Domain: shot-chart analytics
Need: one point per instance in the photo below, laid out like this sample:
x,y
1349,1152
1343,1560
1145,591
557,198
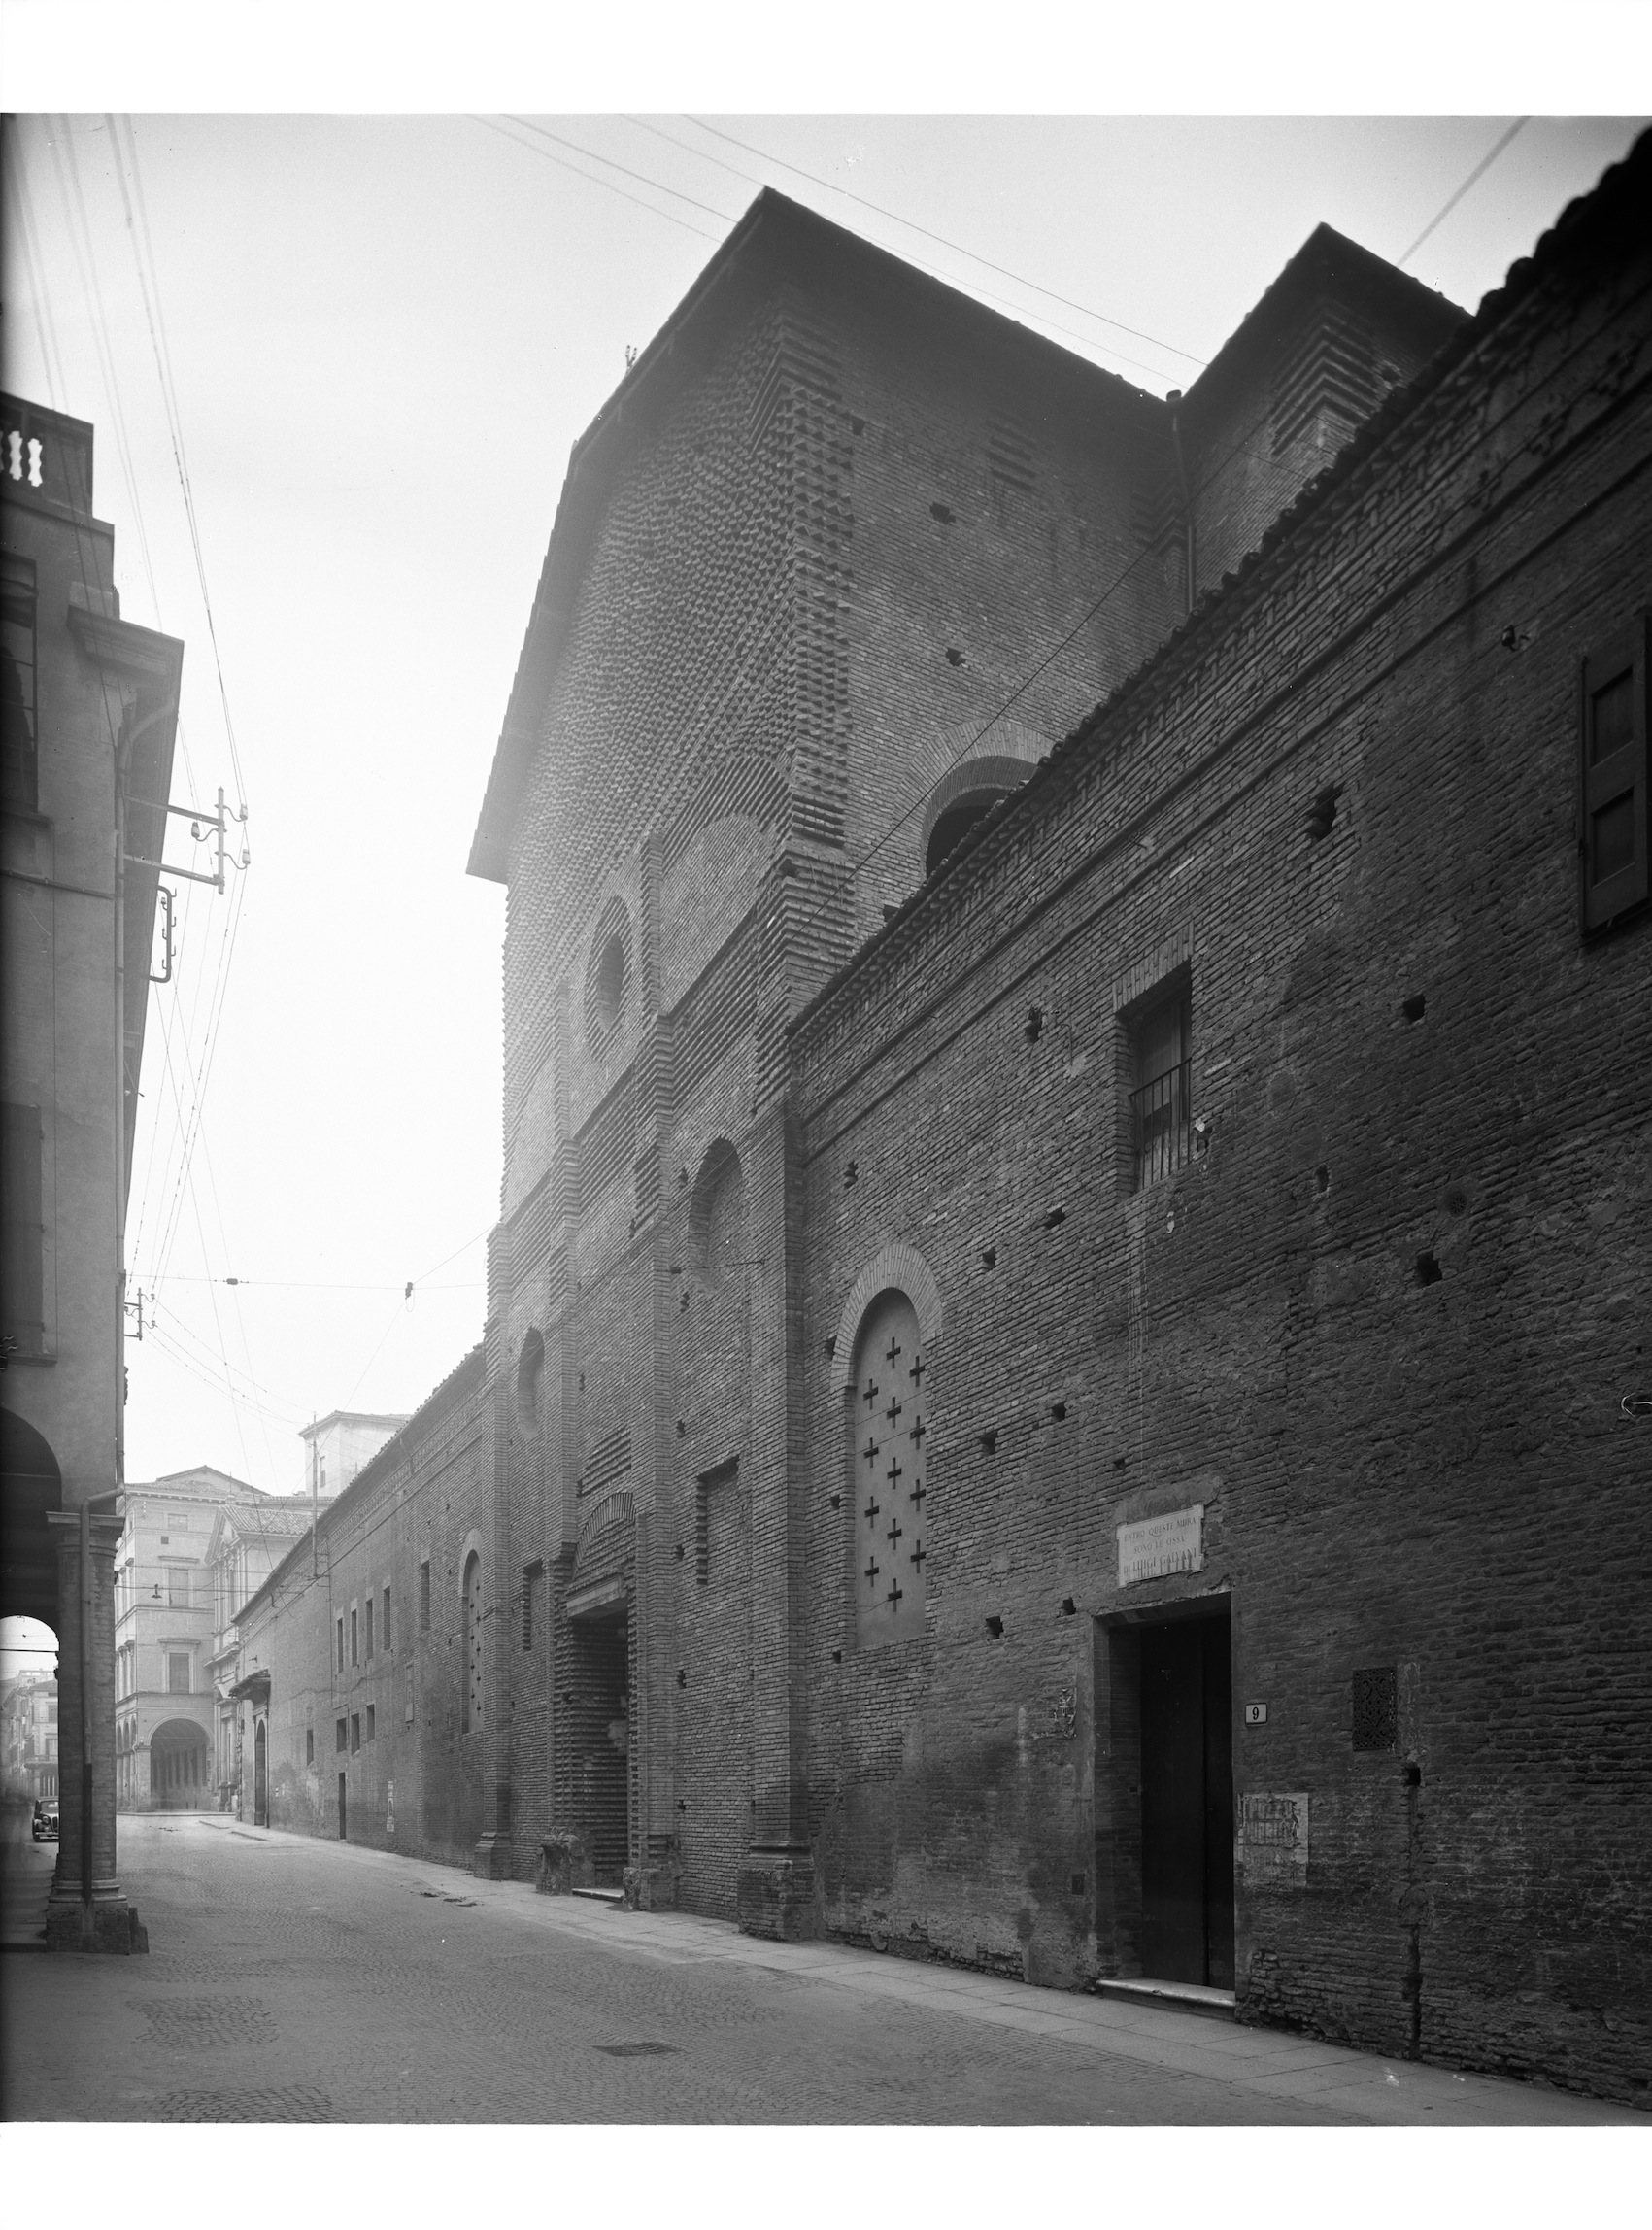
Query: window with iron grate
x,y
1161,1123
472,1718
889,1472
1376,1707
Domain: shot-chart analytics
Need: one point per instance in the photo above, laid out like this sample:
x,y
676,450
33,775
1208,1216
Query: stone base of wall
x,y
651,1888
491,1860
566,1865
776,1896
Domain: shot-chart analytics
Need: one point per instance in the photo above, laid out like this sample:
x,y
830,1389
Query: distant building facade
x,y
89,706
165,1630
248,1540
29,1735
1062,1386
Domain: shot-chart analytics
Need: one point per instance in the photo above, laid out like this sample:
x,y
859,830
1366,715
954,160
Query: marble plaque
x,y
1155,1546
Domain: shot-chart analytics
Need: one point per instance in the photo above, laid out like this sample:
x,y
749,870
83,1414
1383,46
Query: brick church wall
x,y
1378,1330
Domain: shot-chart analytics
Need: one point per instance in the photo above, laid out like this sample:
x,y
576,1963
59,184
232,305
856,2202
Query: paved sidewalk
x,y
292,1979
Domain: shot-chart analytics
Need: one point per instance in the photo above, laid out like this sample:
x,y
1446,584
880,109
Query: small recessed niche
x,y
1118,1462
1455,1199
832,1346
1078,1882
679,1552
1412,1007
1056,1216
1034,1024
954,658
682,1429
581,1381
683,1303
1429,1272
1059,1410
989,1257
1411,1775
1070,1608
837,1502
943,512
837,1657
1321,1179
996,1627
1322,813
856,425
989,1443
682,1177
851,1175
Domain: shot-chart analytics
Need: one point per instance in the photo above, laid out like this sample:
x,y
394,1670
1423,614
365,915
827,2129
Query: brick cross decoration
x,y
871,1393
893,1411
870,1451
893,1351
895,1472
893,1533
917,1432
916,1494
895,1596
918,1554
872,1568
872,1510
915,1373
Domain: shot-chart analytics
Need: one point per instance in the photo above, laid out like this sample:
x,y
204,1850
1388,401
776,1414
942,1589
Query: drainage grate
x,y
637,2052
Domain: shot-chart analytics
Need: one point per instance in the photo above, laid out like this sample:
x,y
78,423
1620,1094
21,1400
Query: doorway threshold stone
x,y
1181,1997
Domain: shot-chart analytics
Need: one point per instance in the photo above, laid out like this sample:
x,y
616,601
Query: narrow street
x,y
296,1980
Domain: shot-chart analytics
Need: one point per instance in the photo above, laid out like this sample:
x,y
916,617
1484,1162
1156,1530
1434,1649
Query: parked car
x,y
45,1819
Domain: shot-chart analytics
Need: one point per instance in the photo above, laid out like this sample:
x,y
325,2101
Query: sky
x,y
379,336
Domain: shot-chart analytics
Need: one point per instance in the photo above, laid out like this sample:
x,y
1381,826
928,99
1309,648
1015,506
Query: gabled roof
x,y
777,238
1327,262
202,1481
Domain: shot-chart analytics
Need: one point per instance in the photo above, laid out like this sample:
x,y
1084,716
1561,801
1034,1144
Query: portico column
x,y
88,1907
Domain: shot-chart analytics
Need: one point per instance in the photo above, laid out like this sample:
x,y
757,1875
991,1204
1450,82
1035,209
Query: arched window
x,y
965,793
890,1397
608,975
530,1385
717,1219
472,1642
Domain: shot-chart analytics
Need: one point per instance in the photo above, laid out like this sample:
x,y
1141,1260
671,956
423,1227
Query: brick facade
x,y
1344,1365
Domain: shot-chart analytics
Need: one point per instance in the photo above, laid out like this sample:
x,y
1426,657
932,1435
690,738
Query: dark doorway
x,y
261,1784
1187,1802
600,1730
341,1807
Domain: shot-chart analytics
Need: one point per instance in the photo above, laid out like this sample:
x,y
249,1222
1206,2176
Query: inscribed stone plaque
x,y
1155,1546
1273,1839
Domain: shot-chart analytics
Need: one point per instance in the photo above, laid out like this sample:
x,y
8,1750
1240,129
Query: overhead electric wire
x,y
148,285
955,247
1478,172
527,148
52,357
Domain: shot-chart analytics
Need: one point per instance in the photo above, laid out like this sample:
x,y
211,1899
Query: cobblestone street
x,y
292,1979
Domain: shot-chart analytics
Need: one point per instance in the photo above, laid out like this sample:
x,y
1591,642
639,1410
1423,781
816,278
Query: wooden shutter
x,y
1611,774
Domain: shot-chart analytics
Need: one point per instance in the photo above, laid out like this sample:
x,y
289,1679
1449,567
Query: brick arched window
x,y
472,1642
890,1424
